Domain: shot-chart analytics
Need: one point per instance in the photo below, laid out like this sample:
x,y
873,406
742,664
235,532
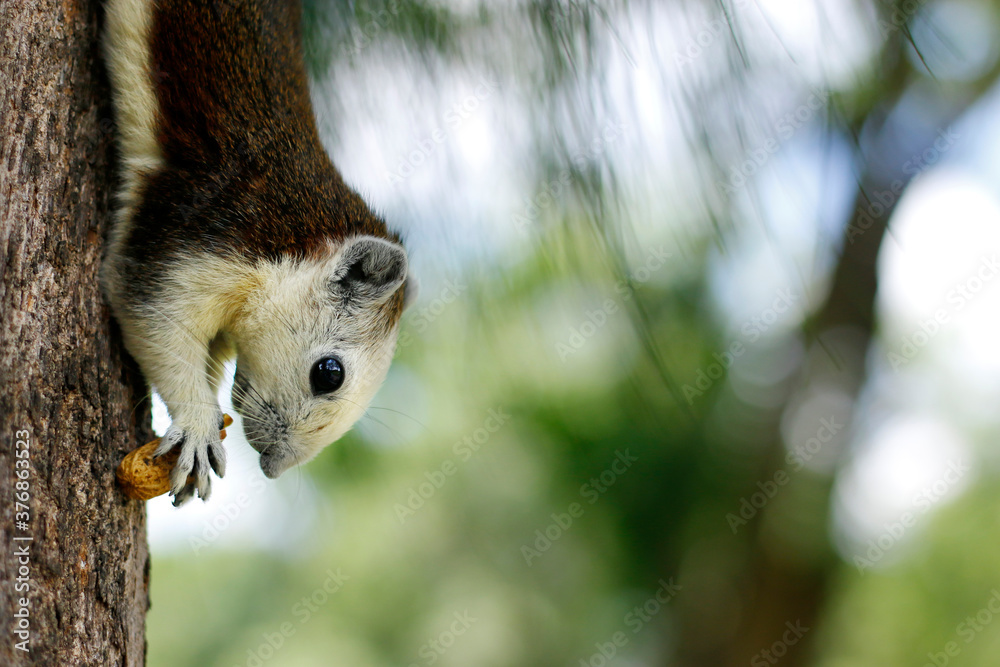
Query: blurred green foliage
x,y
489,523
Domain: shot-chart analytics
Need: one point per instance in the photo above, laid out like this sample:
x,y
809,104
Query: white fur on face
x,y
281,318
291,321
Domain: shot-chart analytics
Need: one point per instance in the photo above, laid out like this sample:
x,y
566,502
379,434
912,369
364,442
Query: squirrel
x,y
234,236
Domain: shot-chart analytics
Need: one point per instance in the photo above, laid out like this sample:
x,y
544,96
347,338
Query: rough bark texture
x,y
66,386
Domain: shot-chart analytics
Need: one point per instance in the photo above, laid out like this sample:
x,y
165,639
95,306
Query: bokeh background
x,y
705,366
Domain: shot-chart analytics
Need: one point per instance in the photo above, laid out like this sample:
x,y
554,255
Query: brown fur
x,y
245,172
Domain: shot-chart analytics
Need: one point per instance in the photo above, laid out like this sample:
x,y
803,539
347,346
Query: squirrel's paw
x,y
200,451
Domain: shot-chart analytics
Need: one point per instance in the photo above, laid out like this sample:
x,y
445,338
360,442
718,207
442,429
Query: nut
x,y
143,476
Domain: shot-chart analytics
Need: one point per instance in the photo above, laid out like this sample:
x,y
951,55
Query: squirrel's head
x,y
314,343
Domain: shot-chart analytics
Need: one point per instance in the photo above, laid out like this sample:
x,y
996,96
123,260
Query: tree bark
x,y
69,397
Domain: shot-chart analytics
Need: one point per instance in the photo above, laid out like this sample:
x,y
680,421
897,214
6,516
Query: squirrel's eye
x,y
327,375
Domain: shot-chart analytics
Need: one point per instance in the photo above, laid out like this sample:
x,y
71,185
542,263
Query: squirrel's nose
x,y
275,460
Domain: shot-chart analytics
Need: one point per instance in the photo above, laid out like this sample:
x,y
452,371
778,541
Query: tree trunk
x,y
71,401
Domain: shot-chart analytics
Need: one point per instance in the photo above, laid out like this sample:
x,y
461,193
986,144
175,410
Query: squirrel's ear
x,y
410,290
370,269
